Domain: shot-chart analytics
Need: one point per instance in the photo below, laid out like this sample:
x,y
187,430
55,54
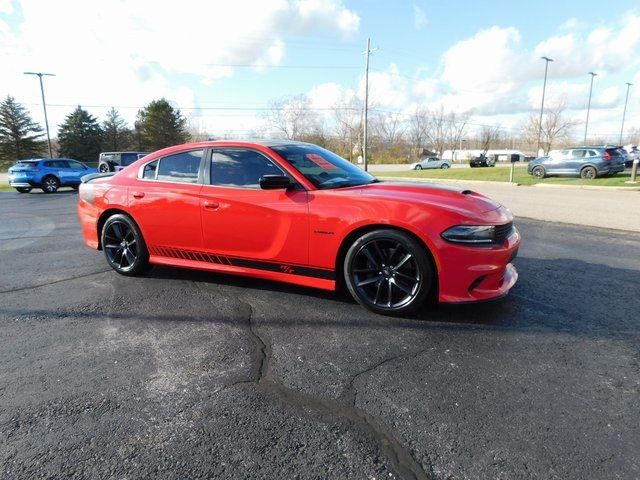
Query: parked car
x,y
632,154
482,161
295,212
584,162
431,162
112,161
49,174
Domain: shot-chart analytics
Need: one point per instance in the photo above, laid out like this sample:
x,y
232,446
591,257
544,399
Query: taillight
x,y
607,156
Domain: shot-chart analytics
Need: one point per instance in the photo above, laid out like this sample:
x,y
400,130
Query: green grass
x,y
501,174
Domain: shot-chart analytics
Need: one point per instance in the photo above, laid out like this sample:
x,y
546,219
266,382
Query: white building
x,y
502,155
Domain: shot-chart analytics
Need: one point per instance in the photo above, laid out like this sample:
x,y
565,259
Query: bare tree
x,y
455,126
419,130
437,135
388,127
488,136
293,117
556,127
347,124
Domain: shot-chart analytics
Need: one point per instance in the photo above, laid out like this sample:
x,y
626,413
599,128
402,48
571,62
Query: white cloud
x,y
419,17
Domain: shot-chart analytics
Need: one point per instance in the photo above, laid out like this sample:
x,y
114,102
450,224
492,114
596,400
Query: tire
x,y
123,246
388,272
444,166
75,187
418,167
538,171
104,168
588,173
50,184
23,189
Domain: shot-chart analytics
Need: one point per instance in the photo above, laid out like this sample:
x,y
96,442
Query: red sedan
x,y
295,212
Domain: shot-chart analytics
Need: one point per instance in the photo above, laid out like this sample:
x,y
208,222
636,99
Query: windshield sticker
x,y
320,162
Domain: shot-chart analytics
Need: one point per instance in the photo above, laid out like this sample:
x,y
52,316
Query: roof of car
x,y
265,142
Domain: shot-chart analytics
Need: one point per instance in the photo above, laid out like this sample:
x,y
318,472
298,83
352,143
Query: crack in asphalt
x,y
398,455
77,277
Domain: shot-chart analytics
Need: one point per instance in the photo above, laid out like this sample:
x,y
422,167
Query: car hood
x,y
452,198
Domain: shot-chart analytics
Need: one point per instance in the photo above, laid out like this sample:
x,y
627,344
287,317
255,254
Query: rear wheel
x,y
588,173
388,272
50,184
538,171
23,189
418,167
124,246
444,166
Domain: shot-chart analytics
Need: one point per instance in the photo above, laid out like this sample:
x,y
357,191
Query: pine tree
x,y
160,125
20,136
115,134
80,136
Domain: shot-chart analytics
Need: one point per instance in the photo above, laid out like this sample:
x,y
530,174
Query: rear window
x,y
614,152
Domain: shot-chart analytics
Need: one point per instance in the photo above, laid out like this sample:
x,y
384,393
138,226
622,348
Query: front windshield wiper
x,y
346,184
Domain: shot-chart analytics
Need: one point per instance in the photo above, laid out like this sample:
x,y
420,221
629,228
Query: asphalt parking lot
x,y
183,374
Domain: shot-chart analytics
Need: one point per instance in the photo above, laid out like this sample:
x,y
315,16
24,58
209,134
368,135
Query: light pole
x,y
586,125
367,52
544,86
44,105
624,112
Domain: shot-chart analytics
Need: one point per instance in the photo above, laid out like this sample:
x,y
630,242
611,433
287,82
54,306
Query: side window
x,y
75,165
240,168
593,153
577,153
149,170
180,167
48,164
60,164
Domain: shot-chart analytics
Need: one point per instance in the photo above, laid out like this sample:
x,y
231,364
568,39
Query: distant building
x,y
502,155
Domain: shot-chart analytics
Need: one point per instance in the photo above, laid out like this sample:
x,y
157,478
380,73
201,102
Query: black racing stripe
x,y
246,263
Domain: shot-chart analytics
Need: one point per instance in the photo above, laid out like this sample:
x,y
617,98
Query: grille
x,y
503,232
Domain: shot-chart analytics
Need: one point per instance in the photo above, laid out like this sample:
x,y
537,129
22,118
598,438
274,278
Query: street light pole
x,y
544,87
44,105
624,113
586,125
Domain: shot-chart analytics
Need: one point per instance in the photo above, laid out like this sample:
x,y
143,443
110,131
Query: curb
x,y
537,185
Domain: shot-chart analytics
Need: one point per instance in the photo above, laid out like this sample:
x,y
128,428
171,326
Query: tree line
x,y
82,137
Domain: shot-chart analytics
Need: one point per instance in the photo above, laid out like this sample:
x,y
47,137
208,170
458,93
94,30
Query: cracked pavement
x,y
185,374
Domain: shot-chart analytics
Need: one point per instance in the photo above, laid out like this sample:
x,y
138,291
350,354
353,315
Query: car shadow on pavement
x,y
559,294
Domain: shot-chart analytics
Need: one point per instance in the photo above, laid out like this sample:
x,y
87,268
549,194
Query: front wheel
x,y
124,246
23,189
388,272
588,173
50,184
418,167
538,171
444,166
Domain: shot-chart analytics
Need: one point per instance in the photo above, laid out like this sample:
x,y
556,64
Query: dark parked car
x,y
482,161
49,174
112,161
584,162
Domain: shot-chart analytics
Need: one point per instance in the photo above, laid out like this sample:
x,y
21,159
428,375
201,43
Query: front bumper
x,y
475,274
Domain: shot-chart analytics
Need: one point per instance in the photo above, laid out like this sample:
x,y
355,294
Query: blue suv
x,y
583,162
49,174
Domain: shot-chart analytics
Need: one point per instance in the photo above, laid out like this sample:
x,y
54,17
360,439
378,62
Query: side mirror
x,y
274,182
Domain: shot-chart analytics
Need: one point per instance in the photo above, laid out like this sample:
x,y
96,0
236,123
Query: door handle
x,y
138,194
209,205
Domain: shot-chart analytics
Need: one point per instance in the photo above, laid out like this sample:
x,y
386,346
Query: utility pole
x,y
624,113
544,86
586,125
367,52
44,105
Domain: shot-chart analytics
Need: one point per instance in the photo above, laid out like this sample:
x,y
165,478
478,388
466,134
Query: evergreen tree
x,y
80,136
20,137
115,134
160,125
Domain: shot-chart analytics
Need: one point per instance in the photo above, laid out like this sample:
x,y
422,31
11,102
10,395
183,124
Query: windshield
x,y
323,168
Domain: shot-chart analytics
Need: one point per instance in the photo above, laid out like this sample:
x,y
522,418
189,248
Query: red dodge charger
x,y
295,212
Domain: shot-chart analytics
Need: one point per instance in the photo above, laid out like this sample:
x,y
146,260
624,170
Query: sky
x,y
223,62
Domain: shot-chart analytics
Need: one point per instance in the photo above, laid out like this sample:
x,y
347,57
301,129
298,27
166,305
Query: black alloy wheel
x,y
23,189
50,184
588,173
538,171
388,272
124,246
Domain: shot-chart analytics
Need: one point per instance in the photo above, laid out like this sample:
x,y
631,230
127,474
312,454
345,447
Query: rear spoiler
x,y
92,176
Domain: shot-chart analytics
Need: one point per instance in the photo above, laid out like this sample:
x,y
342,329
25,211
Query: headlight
x,y
478,234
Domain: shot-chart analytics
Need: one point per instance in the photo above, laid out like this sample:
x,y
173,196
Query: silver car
x,y
430,162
